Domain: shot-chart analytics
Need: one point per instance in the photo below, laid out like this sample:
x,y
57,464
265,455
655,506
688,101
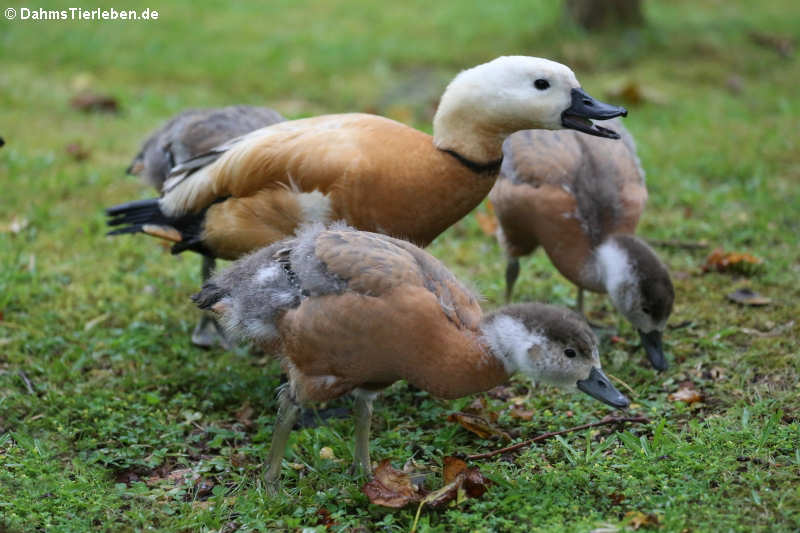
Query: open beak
x,y
598,386
654,349
583,108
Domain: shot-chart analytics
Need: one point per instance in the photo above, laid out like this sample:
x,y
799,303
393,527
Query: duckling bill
x,y
352,312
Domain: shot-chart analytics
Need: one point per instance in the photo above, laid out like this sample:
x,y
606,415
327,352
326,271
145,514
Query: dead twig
x,y
28,384
686,245
604,422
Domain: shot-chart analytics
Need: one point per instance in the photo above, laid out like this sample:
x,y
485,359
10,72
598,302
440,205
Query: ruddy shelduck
x,y
374,173
348,311
580,198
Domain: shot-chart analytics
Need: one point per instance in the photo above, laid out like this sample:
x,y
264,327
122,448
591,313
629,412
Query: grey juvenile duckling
x,y
580,198
352,312
186,135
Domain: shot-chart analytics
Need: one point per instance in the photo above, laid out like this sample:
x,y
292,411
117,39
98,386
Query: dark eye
x,y
569,352
541,84
646,310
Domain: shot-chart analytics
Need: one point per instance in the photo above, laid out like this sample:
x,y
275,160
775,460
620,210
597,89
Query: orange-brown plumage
x,y
415,200
371,172
349,311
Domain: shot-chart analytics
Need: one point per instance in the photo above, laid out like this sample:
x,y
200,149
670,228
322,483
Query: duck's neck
x,y
611,267
466,129
509,341
476,142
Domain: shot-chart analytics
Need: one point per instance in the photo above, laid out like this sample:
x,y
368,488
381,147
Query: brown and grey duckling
x,y
352,312
580,198
185,136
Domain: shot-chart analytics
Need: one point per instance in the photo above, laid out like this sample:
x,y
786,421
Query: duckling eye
x,y
646,310
569,352
541,84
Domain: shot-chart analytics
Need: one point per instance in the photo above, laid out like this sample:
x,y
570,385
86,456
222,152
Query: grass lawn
x,y
119,408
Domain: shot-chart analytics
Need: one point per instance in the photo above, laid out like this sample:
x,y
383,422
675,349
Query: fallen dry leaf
x,y
616,498
478,425
203,486
735,84
391,487
324,518
687,395
734,262
634,93
784,46
747,296
176,477
638,519
453,466
91,102
395,488
460,481
475,484
244,415
524,414
77,151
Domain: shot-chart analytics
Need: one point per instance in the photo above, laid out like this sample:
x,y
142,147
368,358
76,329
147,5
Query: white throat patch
x,y
615,269
509,340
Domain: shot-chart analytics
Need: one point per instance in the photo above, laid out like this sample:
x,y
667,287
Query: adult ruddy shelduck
x,y
185,136
374,173
580,199
348,311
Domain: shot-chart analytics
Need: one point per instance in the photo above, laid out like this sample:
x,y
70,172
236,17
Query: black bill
x,y
654,349
598,386
583,108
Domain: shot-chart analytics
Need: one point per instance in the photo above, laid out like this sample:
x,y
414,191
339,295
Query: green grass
x,y
100,326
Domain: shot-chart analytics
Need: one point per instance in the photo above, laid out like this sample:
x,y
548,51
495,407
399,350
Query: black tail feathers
x,y
132,217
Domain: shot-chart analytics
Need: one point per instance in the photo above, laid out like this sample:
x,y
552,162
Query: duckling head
x,y
640,287
513,93
550,344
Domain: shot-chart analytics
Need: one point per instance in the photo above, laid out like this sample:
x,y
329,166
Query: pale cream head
x,y
497,98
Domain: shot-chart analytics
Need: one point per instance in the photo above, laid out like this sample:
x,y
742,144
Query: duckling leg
x,y
362,413
512,271
208,332
288,412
